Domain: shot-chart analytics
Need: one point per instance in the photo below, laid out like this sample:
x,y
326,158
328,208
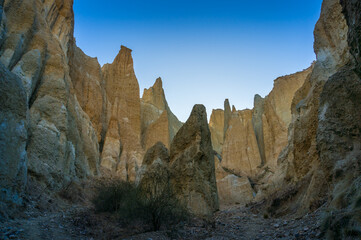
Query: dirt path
x,y
232,223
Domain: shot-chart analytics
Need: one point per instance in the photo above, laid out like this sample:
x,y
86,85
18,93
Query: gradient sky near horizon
x,y
204,51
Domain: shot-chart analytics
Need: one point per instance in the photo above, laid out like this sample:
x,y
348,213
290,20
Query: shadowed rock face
x,y
339,133
154,172
192,164
13,136
321,139
351,10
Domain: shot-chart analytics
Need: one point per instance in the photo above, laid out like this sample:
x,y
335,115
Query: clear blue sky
x,y
205,51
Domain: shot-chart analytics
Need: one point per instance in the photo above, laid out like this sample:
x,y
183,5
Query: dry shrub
x,y
132,203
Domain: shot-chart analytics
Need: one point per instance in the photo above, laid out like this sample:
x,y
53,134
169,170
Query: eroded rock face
x,y
86,75
62,144
216,126
13,136
240,150
338,134
122,151
252,140
232,189
306,158
351,10
192,165
277,116
154,173
330,38
158,123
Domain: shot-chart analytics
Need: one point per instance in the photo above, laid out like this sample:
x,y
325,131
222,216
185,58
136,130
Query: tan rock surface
x,y
122,89
216,126
277,116
62,145
192,165
122,150
301,158
258,111
86,75
232,189
240,150
227,116
157,120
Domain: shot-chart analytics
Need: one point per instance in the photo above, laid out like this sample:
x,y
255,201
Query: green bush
x,y
133,203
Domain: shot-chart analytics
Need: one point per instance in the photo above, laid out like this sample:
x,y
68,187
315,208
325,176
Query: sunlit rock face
x,y
232,189
192,165
158,123
216,126
61,143
240,150
254,139
89,87
277,116
122,151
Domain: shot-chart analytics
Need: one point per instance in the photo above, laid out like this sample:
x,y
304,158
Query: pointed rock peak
x,y
192,171
158,83
155,95
234,109
257,98
158,150
199,113
125,49
124,57
227,106
258,103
